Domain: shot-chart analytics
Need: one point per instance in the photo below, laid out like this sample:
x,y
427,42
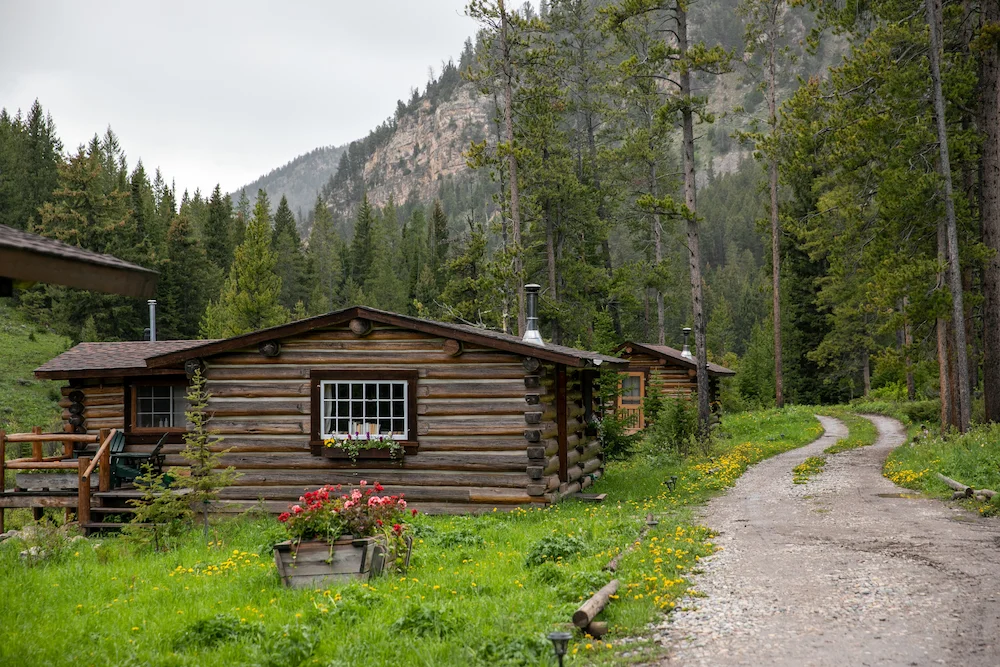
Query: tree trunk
x,y
944,370
911,388
661,331
866,372
772,113
989,83
616,317
954,275
515,198
694,251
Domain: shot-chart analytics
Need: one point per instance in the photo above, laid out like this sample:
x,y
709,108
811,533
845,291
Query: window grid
x,y
160,406
364,407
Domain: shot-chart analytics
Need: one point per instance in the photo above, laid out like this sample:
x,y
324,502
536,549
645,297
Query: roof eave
x,y
381,317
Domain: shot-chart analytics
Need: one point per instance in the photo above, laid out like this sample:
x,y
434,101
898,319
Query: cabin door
x,y
630,401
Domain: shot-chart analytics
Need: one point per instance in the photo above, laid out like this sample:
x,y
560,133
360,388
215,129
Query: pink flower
x,y
402,504
355,495
364,483
297,509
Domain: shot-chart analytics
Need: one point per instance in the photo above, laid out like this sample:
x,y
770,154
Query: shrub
x,y
675,426
553,548
424,620
289,647
515,651
215,630
463,537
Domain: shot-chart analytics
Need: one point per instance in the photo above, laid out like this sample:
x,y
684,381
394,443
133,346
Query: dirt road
x,y
841,571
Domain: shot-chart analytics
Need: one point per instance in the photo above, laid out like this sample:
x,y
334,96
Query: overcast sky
x,y
222,91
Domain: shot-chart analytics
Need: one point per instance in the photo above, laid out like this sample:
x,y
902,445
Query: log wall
x,y
471,419
100,405
487,422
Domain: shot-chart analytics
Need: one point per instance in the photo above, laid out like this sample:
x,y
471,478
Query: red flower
x,y
284,516
297,509
378,487
396,528
413,512
378,522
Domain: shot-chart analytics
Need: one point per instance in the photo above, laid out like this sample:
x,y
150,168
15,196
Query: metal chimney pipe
x,y
686,352
531,333
152,320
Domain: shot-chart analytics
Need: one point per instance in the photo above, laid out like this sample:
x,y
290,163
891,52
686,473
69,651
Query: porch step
x,y
111,526
112,510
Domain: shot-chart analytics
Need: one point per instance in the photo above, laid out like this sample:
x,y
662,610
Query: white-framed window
x,y
364,408
160,406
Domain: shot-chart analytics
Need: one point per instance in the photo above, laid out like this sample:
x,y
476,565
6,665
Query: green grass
x,y
972,459
25,401
469,598
811,466
861,432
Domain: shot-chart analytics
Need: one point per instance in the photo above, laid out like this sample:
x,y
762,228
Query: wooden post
x,y
104,475
360,326
67,444
452,347
561,421
36,447
3,472
83,495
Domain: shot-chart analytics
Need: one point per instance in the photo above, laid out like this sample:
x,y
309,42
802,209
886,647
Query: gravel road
x,y
848,569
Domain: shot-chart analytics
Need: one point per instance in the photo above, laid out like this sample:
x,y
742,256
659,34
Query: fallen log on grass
x,y
613,563
966,491
597,629
583,616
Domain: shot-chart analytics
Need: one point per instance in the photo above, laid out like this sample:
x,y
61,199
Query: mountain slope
x,y
300,180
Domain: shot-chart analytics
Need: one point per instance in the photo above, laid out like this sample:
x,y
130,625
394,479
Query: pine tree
x,y
249,298
287,246
207,477
362,252
187,280
326,268
218,232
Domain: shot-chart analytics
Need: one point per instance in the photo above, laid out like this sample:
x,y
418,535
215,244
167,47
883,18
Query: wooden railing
x,y
84,465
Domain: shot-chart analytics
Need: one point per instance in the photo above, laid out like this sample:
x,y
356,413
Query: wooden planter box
x,y
311,564
373,453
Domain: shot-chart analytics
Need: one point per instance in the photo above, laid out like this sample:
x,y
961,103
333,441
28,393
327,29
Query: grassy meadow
x,y
482,590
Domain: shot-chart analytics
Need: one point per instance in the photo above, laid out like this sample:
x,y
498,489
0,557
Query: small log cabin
x,y
485,419
677,373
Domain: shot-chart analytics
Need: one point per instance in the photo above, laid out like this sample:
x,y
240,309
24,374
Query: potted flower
x,y
336,535
373,446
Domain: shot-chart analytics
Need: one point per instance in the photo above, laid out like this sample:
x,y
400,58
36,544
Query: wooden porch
x,y
72,489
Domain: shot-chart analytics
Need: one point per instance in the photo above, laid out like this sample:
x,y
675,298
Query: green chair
x,y
126,466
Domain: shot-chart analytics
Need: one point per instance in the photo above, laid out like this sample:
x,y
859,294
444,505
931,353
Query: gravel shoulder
x,y
848,569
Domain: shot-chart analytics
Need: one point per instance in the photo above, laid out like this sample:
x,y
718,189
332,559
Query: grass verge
x,y
470,596
973,459
811,466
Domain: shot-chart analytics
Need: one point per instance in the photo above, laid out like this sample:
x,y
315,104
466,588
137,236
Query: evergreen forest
x,y
828,227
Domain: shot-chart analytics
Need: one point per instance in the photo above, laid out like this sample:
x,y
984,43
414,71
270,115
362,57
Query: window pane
x,y
397,389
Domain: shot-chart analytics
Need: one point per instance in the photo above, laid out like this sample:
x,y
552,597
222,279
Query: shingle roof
x,y
463,332
36,258
675,355
127,358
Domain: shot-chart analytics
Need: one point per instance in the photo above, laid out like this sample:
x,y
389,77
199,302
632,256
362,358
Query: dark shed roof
x,y
463,332
33,258
672,355
109,359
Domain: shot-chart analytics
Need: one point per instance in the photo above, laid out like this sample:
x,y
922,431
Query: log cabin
x,y
676,369
485,419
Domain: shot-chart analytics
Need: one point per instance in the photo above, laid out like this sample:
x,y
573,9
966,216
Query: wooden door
x,y
633,389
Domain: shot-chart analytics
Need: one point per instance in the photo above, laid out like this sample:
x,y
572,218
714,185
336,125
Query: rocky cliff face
x,y
426,147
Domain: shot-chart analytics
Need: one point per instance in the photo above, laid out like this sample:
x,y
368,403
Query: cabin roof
x,y
150,358
33,258
462,332
115,359
672,355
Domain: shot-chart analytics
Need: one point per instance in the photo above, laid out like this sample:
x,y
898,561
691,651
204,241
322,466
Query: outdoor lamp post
x,y
559,642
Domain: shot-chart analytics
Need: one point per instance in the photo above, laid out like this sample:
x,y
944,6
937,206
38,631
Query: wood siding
x,y
487,431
